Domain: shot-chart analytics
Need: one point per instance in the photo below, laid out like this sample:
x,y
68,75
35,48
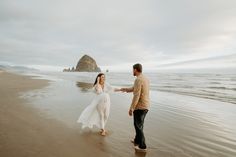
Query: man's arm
x,y
137,92
128,90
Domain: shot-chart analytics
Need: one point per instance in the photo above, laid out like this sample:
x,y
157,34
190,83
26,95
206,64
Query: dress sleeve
x,y
97,89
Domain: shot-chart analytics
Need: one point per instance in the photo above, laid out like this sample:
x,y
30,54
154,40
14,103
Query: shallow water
x,y
220,87
176,125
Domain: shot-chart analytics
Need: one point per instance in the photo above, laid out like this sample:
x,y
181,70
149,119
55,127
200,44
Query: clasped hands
x,y
123,89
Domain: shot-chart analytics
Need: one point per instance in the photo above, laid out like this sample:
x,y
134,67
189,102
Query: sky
x,y
159,34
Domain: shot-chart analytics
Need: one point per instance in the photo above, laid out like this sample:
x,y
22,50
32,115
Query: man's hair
x,y
138,67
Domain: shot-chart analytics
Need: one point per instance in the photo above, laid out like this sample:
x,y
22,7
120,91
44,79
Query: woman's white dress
x,y
97,113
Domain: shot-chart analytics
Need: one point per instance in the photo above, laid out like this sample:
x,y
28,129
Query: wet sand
x,y
27,131
24,132
38,118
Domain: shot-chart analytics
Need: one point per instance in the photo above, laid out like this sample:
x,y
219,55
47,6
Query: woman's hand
x,y
117,90
98,80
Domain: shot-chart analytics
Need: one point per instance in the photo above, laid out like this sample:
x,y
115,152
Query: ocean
x,y
221,87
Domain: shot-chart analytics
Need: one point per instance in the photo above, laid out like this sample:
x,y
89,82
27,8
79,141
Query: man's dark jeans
x,y
139,116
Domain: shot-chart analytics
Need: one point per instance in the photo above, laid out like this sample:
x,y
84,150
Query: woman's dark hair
x,y
99,75
138,67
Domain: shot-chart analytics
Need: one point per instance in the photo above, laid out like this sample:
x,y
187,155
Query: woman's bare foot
x,y
103,133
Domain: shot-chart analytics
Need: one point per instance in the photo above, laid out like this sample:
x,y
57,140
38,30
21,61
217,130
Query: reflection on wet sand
x,y
85,87
140,154
176,126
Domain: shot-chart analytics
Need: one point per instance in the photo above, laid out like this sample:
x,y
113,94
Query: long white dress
x,y
97,113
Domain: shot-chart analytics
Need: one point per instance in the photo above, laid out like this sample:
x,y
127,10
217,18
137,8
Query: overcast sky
x,y
160,34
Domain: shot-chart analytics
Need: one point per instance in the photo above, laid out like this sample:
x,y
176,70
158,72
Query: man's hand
x,y
131,112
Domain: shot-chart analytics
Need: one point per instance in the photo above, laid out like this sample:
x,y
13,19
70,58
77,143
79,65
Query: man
x,y
139,106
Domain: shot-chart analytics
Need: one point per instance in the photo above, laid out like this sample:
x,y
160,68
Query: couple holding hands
x,y
97,113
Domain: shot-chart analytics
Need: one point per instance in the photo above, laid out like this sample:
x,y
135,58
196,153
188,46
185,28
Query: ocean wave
x,y
224,88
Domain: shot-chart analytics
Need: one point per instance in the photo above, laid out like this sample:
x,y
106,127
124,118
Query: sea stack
x,y
87,64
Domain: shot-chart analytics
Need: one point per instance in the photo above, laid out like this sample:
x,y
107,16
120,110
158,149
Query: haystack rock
x,y
87,64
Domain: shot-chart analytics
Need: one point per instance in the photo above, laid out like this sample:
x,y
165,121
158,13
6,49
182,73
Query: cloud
x,y
226,62
116,33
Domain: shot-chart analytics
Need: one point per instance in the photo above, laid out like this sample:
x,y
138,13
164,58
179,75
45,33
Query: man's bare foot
x,y
137,149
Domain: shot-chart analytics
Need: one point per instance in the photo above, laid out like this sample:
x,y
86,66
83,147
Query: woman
x,y
96,114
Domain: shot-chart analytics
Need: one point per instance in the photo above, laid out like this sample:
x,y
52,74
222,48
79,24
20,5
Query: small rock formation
x,y
87,64
66,70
